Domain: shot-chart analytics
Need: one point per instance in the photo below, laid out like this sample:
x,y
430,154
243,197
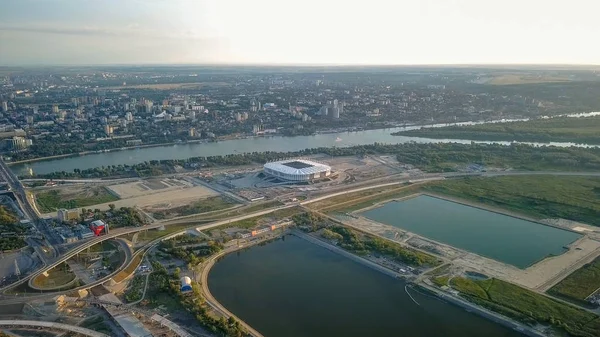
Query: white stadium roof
x,y
297,167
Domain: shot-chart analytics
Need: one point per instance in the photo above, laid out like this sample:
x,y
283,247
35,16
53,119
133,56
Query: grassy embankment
x,y
580,284
356,200
50,201
123,274
255,221
57,277
525,305
202,206
563,129
567,197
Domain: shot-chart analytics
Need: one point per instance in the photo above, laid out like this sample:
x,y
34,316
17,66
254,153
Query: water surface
x,y
500,237
294,288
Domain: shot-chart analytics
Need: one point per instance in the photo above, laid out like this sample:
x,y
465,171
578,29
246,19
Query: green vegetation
x,y
96,323
57,276
103,246
431,157
191,249
568,197
440,281
453,157
135,290
202,206
560,129
12,232
580,284
528,306
350,198
194,303
53,200
116,218
363,244
254,221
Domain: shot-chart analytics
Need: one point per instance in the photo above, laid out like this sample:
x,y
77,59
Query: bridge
x,y
51,325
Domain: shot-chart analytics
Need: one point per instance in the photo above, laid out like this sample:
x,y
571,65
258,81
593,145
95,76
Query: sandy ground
x,y
542,275
145,187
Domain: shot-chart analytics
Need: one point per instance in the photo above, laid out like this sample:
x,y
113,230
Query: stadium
x,y
297,170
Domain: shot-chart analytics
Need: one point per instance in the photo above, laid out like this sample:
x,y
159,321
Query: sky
x,y
404,32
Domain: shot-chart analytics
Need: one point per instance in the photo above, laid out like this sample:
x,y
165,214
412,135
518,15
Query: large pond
x,y
503,238
294,288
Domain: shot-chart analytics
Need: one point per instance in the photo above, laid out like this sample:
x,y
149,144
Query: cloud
x,y
131,30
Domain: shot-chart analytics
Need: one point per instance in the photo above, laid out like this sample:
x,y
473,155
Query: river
x,y
251,144
294,288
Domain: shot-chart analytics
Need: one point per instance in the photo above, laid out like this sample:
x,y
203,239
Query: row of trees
x,y
363,245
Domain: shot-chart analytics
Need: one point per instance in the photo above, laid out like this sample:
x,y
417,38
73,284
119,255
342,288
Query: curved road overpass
x,y
52,325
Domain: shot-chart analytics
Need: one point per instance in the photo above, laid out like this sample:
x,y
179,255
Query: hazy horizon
x,y
310,33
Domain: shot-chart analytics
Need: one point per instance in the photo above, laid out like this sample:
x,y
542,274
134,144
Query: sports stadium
x,y
297,170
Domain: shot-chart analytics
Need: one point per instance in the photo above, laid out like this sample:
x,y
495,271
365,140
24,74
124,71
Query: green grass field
x,y
202,206
580,284
567,197
527,306
564,129
53,200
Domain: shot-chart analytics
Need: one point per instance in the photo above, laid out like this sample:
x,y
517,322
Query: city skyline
x,y
378,32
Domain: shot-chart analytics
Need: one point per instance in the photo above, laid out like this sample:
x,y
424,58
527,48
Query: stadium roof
x,y
297,166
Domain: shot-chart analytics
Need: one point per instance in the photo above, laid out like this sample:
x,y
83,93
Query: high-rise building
x,y
192,132
129,116
29,119
16,143
245,116
238,116
192,114
55,109
149,105
65,215
4,106
108,130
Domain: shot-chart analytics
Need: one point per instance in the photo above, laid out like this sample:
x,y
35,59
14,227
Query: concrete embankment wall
x,y
344,253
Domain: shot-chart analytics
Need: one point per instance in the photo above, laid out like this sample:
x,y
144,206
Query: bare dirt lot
x,y
146,187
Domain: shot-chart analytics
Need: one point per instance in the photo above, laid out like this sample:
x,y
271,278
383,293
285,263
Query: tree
x,y
111,206
177,272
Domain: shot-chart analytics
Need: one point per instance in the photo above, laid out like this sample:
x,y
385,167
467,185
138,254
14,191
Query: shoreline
x,y
412,125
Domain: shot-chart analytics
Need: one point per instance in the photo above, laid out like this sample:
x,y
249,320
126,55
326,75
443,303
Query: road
x,y
52,325
29,213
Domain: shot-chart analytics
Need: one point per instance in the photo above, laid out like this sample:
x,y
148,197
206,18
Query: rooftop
x,y
297,164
